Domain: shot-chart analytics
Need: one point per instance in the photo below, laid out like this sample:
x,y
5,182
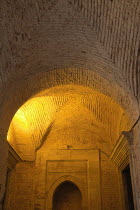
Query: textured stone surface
x,y
135,163
20,189
90,170
110,185
57,42
67,115
46,44
116,24
3,168
67,196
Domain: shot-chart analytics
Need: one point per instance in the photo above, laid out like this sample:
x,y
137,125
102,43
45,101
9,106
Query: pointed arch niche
x,y
67,196
66,193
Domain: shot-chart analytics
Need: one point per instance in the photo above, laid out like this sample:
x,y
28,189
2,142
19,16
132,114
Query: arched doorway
x,y
67,196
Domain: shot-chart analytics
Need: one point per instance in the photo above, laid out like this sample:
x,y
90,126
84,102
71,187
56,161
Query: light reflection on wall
x,y
41,118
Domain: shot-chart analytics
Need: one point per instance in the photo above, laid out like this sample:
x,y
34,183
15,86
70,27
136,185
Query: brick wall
x,y
20,189
28,187
116,24
59,114
3,168
109,185
43,39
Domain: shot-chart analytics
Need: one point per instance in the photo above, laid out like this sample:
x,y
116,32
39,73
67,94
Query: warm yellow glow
x,y
64,115
19,121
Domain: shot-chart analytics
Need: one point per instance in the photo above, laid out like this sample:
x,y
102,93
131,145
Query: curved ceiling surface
x,y
71,115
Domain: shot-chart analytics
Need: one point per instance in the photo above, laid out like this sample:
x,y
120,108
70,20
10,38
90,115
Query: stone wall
x,y
102,36
109,185
32,187
3,168
20,187
134,144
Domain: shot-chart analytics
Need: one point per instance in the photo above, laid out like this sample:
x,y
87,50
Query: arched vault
x,y
64,115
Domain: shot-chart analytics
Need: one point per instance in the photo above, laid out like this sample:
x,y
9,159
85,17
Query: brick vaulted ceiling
x,y
75,42
67,115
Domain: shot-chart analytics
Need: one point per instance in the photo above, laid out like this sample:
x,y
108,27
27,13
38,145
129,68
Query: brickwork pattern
x,y
109,185
71,42
116,24
73,38
20,192
61,113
